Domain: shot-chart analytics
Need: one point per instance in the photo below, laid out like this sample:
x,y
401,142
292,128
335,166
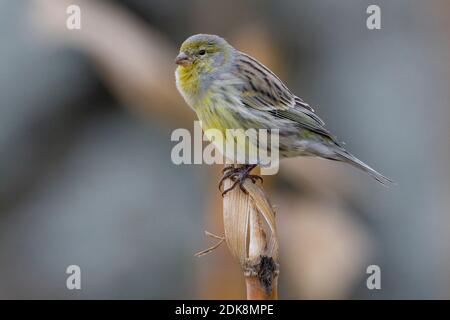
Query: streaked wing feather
x,y
263,90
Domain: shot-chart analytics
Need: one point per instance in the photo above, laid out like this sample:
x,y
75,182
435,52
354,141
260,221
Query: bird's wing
x,y
263,90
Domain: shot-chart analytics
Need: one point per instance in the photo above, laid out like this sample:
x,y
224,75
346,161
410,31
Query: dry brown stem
x,y
250,233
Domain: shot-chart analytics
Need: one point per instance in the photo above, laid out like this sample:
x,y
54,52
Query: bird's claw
x,y
238,176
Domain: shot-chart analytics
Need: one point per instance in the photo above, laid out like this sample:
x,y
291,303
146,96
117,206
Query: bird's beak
x,y
182,60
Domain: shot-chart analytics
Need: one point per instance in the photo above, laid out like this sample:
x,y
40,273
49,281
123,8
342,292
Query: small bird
x,y
229,89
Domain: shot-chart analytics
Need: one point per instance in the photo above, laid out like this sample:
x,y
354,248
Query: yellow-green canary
x,y
228,89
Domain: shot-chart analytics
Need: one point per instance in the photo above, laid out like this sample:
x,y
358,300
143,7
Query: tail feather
x,y
347,157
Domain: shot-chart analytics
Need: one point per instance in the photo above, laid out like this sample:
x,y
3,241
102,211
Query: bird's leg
x,y
238,175
228,168
228,172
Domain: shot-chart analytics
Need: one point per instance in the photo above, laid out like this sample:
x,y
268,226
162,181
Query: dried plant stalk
x,y
250,233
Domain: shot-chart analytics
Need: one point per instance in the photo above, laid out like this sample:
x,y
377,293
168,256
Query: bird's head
x,y
203,53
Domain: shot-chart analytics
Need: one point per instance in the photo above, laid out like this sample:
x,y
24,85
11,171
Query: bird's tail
x,y
349,158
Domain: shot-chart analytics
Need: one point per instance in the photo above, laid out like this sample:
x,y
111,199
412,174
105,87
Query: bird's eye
x,y
202,52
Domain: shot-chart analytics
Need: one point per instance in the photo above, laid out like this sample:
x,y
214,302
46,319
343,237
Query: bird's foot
x,y
238,176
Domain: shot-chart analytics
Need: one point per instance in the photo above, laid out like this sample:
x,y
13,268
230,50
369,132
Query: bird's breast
x,y
188,83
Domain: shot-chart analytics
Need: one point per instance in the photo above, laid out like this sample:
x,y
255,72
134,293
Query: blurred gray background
x,y
85,170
